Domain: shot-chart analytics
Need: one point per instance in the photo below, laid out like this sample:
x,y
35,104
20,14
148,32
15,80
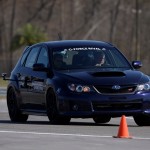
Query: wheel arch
x,y
16,90
9,88
47,92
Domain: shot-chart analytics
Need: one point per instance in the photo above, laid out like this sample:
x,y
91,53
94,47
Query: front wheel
x,y
14,112
142,120
52,111
101,119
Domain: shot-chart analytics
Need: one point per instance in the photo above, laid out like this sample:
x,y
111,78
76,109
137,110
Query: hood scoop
x,y
108,74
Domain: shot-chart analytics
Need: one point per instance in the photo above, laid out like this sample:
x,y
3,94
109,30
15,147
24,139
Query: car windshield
x,y
69,58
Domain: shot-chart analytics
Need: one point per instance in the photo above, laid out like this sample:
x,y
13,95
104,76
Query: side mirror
x,y
137,64
40,67
4,76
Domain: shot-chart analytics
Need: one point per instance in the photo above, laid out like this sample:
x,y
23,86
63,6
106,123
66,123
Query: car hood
x,y
126,77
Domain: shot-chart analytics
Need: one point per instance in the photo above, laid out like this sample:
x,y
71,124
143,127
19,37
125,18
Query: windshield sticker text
x,y
84,48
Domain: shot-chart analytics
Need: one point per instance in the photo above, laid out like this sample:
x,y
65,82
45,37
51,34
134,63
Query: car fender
x,y
13,83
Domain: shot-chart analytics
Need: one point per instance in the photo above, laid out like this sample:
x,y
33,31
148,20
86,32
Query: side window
x,y
43,57
32,57
24,56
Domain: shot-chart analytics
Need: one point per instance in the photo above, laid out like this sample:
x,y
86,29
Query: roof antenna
x,y
60,36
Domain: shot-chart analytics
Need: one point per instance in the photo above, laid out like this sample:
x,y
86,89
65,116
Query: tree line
x,y
124,23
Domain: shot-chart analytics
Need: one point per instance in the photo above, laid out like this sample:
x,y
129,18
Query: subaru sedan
x,y
77,79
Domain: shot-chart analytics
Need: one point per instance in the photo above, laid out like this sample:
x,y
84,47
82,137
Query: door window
x,y
32,57
23,59
43,57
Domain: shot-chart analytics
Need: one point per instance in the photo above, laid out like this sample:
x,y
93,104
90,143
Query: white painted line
x,y
64,134
141,138
55,134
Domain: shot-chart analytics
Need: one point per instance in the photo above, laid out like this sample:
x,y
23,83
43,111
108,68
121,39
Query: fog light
x,y
75,107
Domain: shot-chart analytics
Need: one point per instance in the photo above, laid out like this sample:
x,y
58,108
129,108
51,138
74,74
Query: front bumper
x,y
94,104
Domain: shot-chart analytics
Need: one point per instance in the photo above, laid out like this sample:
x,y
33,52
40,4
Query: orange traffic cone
x,y
123,129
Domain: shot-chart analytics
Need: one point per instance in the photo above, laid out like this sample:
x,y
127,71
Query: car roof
x,y
64,43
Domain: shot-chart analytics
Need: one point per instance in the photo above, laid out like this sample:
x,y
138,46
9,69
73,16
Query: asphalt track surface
x,y
80,134
2,91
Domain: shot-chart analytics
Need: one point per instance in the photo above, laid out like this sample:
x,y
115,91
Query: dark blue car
x,y
77,79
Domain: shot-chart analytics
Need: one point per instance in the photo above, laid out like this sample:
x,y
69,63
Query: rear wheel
x,y
101,119
142,120
14,112
52,111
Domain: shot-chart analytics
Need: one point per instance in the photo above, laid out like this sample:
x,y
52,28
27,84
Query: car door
x,y
25,74
38,82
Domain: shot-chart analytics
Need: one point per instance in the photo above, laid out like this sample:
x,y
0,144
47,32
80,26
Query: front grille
x,y
110,90
116,106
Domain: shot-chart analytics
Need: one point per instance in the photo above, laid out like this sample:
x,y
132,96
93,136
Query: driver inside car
x,y
58,61
100,59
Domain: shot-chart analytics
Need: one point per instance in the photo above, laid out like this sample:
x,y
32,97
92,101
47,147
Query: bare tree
x,y
12,20
3,36
108,20
113,19
42,5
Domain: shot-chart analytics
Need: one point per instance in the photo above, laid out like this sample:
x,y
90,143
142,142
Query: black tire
x,y
52,111
142,120
101,119
14,112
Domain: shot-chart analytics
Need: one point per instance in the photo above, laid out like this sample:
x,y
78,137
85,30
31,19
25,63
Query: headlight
x,y
79,88
143,87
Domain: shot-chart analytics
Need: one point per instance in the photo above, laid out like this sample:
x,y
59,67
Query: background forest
x,y
125,23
